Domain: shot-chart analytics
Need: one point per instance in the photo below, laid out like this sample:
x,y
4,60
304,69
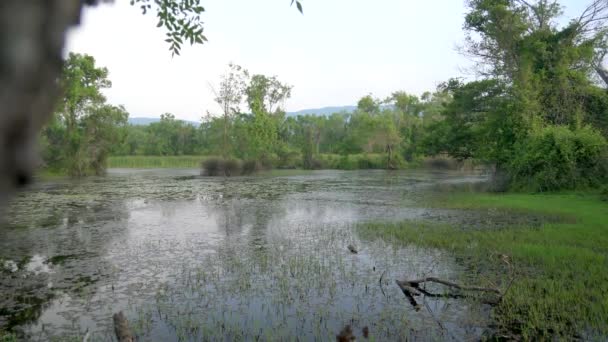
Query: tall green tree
x,y
89,126
229,97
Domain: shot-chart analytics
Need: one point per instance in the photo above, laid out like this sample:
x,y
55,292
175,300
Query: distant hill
x,y
147,121
316,111
323,111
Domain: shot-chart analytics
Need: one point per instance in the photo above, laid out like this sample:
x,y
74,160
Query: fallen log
x,y
416,284
121,328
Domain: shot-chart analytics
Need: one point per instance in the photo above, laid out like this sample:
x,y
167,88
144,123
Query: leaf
x,y
299,5
160,23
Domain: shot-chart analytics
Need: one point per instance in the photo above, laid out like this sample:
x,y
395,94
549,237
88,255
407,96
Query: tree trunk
x,y
33,37
603,74
389,159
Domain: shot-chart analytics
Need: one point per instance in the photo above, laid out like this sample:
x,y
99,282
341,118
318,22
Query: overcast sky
x,y
338,51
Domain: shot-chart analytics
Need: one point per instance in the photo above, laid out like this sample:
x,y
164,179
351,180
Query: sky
x,y
337,52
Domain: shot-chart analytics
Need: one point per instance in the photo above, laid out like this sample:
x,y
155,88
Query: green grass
x,y
48,174
151,162
7,337
561,282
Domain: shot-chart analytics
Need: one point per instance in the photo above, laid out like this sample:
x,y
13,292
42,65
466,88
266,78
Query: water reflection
x,y
245,258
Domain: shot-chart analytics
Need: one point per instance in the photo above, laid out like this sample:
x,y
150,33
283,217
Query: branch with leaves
x,y
181,20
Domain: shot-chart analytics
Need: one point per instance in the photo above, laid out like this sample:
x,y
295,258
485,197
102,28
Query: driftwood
x,y
416,284
352,249
121,328
411,289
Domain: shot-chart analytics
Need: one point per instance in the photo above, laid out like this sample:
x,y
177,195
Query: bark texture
x,y
32,39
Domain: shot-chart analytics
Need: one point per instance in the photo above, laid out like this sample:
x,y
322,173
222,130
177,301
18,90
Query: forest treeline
x,y
537,113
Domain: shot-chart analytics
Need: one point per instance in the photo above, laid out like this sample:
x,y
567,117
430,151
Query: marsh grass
x,y
148,162
561,279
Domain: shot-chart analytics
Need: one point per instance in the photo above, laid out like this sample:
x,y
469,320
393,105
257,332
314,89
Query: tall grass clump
x,y
147,162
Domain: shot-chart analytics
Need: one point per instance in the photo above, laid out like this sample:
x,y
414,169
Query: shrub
x,y
371,161
604,193
211,166
269,161
232,167
326,161
558,158
251,166
367,161
346,163
289,159
221,167
441,163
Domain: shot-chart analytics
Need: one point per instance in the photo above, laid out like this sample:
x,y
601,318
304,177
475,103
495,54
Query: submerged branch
x,y
416,284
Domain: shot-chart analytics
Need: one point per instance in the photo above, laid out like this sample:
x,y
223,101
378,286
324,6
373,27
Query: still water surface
x,y
252,258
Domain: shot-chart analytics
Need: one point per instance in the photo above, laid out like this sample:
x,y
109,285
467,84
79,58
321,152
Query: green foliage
x,y
84,129
368,104
382,140
604,193
181,20
265,94
8,337
536,74
357,161
482,121
153,162
555,158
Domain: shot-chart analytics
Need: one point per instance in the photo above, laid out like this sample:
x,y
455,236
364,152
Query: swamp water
x,y
247,258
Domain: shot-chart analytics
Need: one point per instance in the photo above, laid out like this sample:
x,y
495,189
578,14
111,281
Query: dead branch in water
x,y
380,281
411,289
416,284
121,328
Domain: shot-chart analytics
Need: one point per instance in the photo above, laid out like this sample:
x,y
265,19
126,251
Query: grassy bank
x,y
321,161
561,280
151,162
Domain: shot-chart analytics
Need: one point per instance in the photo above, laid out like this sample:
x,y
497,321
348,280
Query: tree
x,y
230,96
548,66
102,128
82,83
266,94
404,102
79,140
368,104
